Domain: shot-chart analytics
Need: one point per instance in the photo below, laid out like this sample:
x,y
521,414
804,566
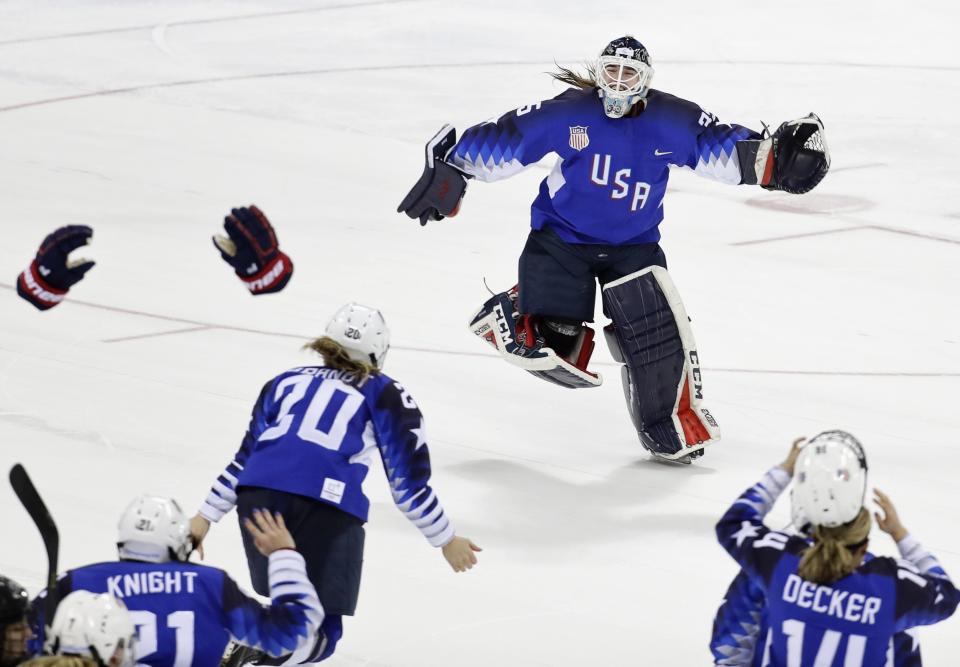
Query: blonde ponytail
x,y
831,558
576,79
336,356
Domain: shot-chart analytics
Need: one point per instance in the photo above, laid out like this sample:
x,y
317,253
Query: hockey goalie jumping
x,y
596,219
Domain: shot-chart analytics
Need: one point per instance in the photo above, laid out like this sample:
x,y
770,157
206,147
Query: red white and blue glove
x,y
52,273
251,248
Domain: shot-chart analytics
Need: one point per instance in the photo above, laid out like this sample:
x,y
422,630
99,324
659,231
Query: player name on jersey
x,y
853,607
155,581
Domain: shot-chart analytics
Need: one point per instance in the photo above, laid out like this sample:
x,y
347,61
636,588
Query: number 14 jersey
x,y
849,623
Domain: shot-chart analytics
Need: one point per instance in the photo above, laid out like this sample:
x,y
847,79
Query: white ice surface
x,y
317,111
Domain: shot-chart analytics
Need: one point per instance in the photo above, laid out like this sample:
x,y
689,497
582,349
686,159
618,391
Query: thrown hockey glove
x,y
251,248
794,159
52,273
441,186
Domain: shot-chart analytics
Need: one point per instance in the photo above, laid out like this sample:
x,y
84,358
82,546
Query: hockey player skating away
x,y
187,613
597,218
14,629
312,435
740,626
826,605
97,629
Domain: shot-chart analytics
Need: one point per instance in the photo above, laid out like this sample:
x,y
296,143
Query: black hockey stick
x,y
27,493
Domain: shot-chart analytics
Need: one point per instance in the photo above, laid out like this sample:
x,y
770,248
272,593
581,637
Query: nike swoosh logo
x,y
658,152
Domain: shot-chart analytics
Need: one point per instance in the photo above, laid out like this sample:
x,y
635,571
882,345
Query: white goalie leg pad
x,y
496,323
647,343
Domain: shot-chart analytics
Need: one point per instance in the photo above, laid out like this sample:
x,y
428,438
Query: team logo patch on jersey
x,y
579,139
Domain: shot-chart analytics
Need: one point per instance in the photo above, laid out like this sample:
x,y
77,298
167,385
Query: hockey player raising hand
x,y
740,628
827,603
188,613
597,217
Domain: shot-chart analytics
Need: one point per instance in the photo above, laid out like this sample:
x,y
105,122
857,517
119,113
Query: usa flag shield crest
x,y
579,139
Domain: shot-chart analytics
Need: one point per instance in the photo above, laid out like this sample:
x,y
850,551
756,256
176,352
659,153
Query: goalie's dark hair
x,y
336,356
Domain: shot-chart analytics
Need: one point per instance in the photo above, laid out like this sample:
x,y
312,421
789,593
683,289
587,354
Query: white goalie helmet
x,y
830,479
362,332
623,73
154,529
93,625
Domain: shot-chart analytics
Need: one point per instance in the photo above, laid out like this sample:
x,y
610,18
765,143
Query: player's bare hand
x,y
889,521
199,525
269,532
459,552
791,461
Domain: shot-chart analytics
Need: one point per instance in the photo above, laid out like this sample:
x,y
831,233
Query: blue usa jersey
x,y
850,623
739,623
608,183
186,613
740,628
313,432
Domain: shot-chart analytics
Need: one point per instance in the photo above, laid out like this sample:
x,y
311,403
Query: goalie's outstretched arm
x,y
488,151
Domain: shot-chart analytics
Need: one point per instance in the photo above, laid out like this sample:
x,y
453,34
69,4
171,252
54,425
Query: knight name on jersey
x,y
156,581
853,607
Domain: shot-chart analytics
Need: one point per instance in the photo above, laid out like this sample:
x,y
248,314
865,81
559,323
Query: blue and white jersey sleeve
x,y
739,624
906,649
925,594
742,533
495,150
707,146
290,623
223,494
401,439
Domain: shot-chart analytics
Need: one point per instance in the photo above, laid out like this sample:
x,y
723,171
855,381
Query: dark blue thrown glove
x,y
52,273
251,248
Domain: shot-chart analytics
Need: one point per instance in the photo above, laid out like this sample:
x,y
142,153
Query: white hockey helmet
x,y
362,332
830,479
623,73
798,518
93,625
154,529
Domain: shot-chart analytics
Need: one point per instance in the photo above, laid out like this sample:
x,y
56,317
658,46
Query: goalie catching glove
x,y
52,273
441,187
794,159
251,248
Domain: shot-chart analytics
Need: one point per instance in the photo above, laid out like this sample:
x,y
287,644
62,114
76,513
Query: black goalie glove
x,y
252,249
441,187
794,159
800,156
52,273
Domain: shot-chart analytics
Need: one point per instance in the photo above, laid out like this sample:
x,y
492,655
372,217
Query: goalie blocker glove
x,y
52,273
794,159
251,248
441,186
